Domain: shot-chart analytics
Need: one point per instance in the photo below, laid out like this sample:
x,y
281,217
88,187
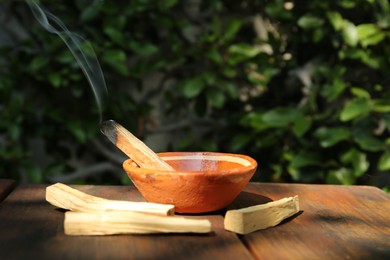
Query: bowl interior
x,y
207,162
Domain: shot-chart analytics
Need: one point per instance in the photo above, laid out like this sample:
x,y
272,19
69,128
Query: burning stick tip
x,y
108,128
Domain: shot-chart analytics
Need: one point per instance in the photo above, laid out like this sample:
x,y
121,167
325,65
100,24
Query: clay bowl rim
x,y
241,169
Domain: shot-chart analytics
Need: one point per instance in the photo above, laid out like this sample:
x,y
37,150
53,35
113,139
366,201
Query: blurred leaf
x,y
364,55
65,57
359,92
281,117
113,56
38,63
229,72
143,48
230,89
358,160
381,105
89,13
77,131
350,33
335,89
14,131
301,125
367,141
305,159
116,59
348,4
309,21
215,56
356,107
215,97
298,162
115,35
192,87
166,4
254,120
384,161
245,50
232,29
341,176
208,145
386,120
331,136
239,141
369,34
275,9
55,79
35,174
336,20
241,52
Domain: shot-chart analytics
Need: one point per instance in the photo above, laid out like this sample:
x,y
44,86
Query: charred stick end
x,y
134,148
108,128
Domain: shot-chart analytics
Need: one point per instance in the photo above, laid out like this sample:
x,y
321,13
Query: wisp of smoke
x,y
80,48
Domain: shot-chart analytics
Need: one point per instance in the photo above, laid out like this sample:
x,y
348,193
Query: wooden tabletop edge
x,y
6,187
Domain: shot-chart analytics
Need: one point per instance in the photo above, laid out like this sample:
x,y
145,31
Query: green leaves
x,y
367,141
38,63
143,48
280,117
283,118
358,160
192,87
310,21
116,59
341,176
215,97
300,161
336,20
231,29
355,108
242,52
369,34
302,90
366,34
166,4
350,33
384,161
330,136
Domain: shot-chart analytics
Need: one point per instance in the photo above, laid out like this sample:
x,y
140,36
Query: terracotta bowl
x,y
201,182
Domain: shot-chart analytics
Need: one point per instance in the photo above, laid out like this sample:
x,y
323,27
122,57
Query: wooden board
x,y
336,222
6,186
33,229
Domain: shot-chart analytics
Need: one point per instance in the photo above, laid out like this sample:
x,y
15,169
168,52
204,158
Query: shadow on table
x,y
248,199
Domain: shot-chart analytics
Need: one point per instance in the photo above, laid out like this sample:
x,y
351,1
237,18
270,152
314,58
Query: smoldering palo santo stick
x,y
138,151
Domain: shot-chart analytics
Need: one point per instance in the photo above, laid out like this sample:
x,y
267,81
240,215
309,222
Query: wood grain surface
x,y
336,222
33,229
6,186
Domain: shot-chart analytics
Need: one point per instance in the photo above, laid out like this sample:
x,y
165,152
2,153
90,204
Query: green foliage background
x,y
301,86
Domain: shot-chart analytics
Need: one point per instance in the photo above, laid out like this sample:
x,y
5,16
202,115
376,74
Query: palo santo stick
x,y
246,220
138,151
63,196
110,223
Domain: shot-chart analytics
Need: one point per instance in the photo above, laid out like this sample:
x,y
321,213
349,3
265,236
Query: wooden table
x,y
336,222
6,186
